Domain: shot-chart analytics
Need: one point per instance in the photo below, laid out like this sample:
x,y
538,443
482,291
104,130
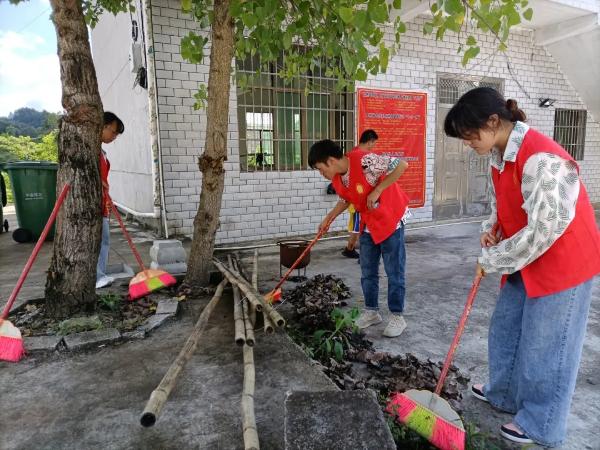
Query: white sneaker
x,y
395,326
104,281
367,318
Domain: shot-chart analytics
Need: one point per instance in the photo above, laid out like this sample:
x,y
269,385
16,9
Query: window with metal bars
x,y
278,121
569,130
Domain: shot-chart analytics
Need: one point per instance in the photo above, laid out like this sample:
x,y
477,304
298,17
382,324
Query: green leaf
x,y
338,350
287,40
528,14
361,75
472,52
401,27
328,346
397,4
439,35
427,28
250,20
471,41
346,14
380,13
384,57
186,5
319,334
434,8
453,7
502,47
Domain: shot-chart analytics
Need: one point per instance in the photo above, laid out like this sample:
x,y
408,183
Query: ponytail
x,y
473,110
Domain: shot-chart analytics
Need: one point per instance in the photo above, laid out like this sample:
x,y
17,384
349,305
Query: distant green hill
x,y
28,122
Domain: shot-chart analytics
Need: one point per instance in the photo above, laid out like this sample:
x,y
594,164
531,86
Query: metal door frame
x,y
477,81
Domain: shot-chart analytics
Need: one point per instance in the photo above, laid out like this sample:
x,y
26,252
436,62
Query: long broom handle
x,y
461,325
129,241
36,250
321,232
458,334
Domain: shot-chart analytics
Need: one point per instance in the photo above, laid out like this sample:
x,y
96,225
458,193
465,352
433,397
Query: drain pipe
x,y
157,167
345,236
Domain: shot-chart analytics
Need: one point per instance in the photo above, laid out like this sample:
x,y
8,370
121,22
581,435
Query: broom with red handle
x,y
11,342
147,280
275,294
426,412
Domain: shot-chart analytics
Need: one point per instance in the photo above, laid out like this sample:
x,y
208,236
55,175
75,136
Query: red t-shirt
x,y
104,169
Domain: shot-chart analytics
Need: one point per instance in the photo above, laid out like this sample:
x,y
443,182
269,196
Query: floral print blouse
x,y
550,187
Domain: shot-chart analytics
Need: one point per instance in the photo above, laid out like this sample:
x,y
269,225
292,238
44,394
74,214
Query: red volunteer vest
x,y
104,169
574,257
383,220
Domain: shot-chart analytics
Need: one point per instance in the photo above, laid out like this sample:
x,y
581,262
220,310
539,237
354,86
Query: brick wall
x,y
273,204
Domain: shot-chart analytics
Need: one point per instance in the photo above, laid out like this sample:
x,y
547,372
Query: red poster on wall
x,y
400,120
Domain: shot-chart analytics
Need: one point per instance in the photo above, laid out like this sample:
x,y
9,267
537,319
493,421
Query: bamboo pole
x,y
247,323
161,394
251,293
248,418
236,280
268,323
238,318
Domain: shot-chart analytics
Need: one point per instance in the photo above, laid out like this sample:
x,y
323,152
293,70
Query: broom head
x,y
148,281
273,296
429,415
11,342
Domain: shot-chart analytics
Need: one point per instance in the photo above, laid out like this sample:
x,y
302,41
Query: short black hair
x,y
110,117
321,151
368,136
473,110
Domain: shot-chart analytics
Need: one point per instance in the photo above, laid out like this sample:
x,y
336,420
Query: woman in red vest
x,y
547,250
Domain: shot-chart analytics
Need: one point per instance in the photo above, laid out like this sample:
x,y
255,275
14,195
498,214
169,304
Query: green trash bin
x,y
34,192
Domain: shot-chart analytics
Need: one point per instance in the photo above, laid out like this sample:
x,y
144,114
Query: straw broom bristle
x,y
11,342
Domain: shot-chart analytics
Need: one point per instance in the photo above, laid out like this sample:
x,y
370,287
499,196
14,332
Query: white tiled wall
x,y
266,205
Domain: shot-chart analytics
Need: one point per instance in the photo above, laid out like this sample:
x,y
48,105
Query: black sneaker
x,y
515,436
350,253
478,393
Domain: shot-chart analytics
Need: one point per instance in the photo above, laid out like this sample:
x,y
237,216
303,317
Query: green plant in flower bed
x,y
333,342
110,301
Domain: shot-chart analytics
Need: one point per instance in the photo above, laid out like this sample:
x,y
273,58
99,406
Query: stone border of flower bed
x,y
38,345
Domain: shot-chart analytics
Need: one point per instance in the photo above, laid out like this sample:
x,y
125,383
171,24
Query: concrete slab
x,y
94,338
41,344
167,306
154,322
335,420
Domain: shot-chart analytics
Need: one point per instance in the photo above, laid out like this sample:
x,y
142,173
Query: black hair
x,y
112,117
473,110
368,136
321,151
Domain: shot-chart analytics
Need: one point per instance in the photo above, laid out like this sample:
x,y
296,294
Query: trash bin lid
x,y
49,165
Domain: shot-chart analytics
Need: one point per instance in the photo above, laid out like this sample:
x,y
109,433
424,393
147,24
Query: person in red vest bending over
x,y
368,181
548,252
113,127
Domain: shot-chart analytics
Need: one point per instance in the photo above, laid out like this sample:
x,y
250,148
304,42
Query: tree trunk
x,y
215,152
70,285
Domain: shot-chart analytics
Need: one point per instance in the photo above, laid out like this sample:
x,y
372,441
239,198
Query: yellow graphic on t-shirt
x,y
359,188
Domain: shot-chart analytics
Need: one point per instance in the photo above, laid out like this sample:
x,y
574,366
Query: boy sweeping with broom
x,y
368,181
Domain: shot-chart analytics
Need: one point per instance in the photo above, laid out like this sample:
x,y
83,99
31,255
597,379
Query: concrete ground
x,y
93,400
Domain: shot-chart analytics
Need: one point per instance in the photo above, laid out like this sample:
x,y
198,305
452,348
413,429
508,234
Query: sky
x,y
29,70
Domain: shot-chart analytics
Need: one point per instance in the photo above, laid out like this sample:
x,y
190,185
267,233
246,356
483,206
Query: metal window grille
x,y
279,121
452,88
569,130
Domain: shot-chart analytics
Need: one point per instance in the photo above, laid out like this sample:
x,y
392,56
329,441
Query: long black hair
x,y
473,109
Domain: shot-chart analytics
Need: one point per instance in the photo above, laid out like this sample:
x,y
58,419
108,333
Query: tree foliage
x,y
345,38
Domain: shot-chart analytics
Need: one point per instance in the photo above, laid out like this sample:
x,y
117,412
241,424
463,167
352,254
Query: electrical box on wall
x,y
135,57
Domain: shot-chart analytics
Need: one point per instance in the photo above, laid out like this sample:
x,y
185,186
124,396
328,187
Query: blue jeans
x,y
394,260
534,347
104,247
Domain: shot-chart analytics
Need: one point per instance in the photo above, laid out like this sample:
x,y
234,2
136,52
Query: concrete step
x,y
335,420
